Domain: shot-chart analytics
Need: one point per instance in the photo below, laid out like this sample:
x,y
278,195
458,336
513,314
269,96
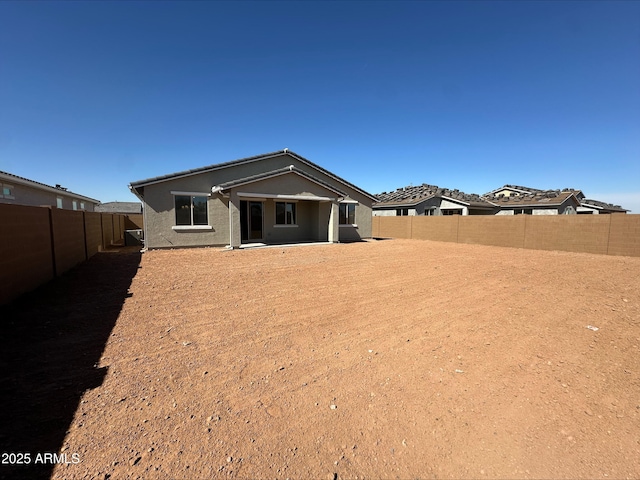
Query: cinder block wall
x,y
133,221
68,235
616,234
117,231
25,250
624,235
394,227
439,229
93,232
571,233
499,231
107,229
38,243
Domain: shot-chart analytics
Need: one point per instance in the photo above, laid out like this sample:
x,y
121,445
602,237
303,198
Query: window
x,y
59,202
347,214
449,211
7,192
285,213
81,205
75,204
191,210
523,211
402,212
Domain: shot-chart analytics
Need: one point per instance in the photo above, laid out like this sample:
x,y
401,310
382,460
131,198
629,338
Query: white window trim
x,y
191,194
348,202
61,202
192,227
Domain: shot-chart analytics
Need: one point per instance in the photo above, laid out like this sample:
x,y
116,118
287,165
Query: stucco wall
x,y
26,195
160,214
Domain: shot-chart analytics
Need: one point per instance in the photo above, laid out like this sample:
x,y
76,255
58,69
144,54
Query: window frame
x,y
59,202
74,204
449,212
294,212
346,206
523,211
192,207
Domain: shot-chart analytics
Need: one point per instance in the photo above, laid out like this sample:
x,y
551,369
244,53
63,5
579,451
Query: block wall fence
x,y
39,243
615,234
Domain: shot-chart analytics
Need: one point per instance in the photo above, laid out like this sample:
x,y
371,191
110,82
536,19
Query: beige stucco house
x,y
515,199
278,197
22,191
429,200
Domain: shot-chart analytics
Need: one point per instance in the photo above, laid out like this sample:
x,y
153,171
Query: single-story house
x,y
430,200
278,197
22,191
515,199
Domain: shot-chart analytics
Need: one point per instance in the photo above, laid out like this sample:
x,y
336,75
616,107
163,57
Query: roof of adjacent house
x,y
120,207
528,196
413,195
517,188
603,205
532,198
43,186
185,173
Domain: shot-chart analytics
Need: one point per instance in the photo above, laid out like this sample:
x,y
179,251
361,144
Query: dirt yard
x,y
384,359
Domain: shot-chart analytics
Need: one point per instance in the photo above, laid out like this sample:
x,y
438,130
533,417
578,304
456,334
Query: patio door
x,y
251,220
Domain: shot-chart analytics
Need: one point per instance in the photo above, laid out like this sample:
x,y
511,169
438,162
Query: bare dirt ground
x,y
384,359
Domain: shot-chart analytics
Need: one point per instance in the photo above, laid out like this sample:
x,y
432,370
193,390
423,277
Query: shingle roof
x,y
57,188
412,195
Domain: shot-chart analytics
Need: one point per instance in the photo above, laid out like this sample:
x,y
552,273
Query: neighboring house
x,y
125,208
515,199
22,191
430,200
278,197
589,206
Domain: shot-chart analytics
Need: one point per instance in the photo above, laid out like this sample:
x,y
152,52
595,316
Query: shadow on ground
x,y
51,341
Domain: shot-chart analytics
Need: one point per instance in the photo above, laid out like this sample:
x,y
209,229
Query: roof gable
x,y
413,195
290,170
210,168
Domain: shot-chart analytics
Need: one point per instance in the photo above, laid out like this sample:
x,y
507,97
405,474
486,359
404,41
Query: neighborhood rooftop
x,y
504,197
415,194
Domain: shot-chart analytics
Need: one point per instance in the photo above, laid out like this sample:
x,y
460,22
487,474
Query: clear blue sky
x,y
467,95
